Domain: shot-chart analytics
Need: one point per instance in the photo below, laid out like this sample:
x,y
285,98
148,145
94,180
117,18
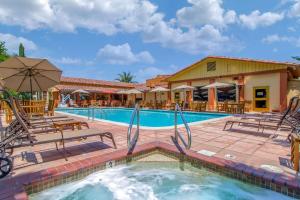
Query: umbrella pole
x,y
30,87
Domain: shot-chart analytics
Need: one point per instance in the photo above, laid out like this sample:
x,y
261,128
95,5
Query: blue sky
x,y
101,38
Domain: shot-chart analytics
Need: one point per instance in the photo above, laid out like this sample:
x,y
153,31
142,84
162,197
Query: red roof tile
x,y
96,82
71,88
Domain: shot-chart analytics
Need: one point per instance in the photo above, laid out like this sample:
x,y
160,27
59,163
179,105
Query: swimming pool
x,y
148,118
157,181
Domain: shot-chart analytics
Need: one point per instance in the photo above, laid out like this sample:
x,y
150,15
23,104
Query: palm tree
x,y
126,77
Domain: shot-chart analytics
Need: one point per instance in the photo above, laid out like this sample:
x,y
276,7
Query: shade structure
x,y
217,85
81,91
133,91
122,92
29,74
183,87
160,89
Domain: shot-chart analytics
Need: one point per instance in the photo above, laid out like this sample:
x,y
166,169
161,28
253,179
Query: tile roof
x,y
71,88
252,60
96,82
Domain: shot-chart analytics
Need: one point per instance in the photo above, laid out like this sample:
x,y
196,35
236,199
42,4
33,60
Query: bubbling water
x,y
146,182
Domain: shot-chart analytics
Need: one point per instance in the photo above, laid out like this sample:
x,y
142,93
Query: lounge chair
x,y
44,125
267,121
275,116
40,118
19,135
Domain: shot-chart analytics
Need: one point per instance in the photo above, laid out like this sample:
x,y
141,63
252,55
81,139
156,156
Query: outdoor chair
x,y
18,134
263,122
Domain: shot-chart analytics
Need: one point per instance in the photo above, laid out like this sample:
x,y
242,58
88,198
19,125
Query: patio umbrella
x,y
184,88
134,91
122,92
80,91
217,85
29,74
159,90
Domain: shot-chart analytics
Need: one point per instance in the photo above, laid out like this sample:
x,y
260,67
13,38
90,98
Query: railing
x,y
187,144
132,141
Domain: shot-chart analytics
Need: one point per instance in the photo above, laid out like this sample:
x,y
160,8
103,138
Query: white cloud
x,y
292,29
197,29
123,55
105,16
276,38
12,42
68,60
205,12
150,72
207,40
257,19
295,9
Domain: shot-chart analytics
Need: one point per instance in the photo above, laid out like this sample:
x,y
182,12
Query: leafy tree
x,y
3,52
126,77
21,50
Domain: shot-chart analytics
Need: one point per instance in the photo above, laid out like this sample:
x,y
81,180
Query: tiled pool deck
x,y
241,149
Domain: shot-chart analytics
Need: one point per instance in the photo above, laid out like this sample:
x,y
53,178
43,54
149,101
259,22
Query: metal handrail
x,y
177,133
132,141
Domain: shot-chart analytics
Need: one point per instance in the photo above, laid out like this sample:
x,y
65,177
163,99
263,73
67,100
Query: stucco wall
x,y
272,80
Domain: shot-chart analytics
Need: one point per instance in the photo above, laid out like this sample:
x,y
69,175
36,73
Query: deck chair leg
x,y
225,126
65,153
231,125
56,146
110,136
113,141
101,137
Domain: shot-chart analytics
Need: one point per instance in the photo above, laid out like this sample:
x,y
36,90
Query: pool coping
x,y
18,187
149,127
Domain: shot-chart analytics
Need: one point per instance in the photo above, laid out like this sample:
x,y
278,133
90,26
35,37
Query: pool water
x,y
157,182
148,118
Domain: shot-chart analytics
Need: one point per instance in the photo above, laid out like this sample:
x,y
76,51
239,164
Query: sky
x,y
101,38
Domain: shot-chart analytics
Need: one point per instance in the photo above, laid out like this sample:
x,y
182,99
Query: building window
x,y
211,66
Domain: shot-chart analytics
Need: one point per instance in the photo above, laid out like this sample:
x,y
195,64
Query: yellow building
x,y
266,85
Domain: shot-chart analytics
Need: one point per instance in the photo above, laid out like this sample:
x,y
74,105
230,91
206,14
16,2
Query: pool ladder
x,y
91,113
178,135
131,141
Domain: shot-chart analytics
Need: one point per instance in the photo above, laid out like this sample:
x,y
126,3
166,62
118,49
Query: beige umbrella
x,y
159,90
29,74
122,92
184,88
80,91
134,91
217,85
